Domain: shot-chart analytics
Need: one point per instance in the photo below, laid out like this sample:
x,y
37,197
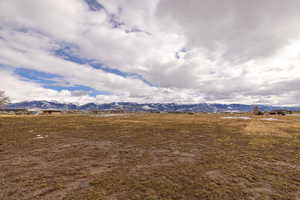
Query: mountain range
x,y
149,107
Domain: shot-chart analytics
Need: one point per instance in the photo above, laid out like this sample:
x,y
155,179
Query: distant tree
x,y
3,98
257,111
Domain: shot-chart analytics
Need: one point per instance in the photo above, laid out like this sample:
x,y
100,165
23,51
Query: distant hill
x,y
154,107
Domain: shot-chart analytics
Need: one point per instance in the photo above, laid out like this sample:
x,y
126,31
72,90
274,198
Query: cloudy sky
x,y
158,51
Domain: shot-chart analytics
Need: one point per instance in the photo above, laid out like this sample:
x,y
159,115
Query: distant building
x,y
51,112
280,112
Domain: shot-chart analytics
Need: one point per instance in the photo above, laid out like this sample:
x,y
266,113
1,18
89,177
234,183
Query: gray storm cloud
x,y
241,29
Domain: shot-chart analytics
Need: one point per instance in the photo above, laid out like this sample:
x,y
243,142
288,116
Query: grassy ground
x,y
149,157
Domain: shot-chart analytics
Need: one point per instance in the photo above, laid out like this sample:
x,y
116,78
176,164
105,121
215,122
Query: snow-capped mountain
x,y
42,105
152,107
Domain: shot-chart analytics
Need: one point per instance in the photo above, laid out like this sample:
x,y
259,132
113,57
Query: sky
x,y
151,51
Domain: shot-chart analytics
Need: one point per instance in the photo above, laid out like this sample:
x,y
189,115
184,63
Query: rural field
x,y
150,157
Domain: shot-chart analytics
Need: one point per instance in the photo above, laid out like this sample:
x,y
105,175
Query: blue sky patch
x,y
51,81
67,53
37,76
94,5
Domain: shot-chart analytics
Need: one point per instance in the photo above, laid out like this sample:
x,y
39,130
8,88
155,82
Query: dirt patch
x,y
238,117
289,165
112,115
215,175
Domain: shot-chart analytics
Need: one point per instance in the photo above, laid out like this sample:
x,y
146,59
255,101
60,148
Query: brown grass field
x,y
149,157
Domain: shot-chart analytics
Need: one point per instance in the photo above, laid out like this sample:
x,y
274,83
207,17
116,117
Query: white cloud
x,y
19,89
234,51
18,51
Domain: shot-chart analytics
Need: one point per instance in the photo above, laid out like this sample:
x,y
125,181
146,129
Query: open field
x,y
149,157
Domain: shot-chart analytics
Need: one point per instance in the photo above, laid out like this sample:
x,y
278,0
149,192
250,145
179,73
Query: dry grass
x,y
149,156
261,128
